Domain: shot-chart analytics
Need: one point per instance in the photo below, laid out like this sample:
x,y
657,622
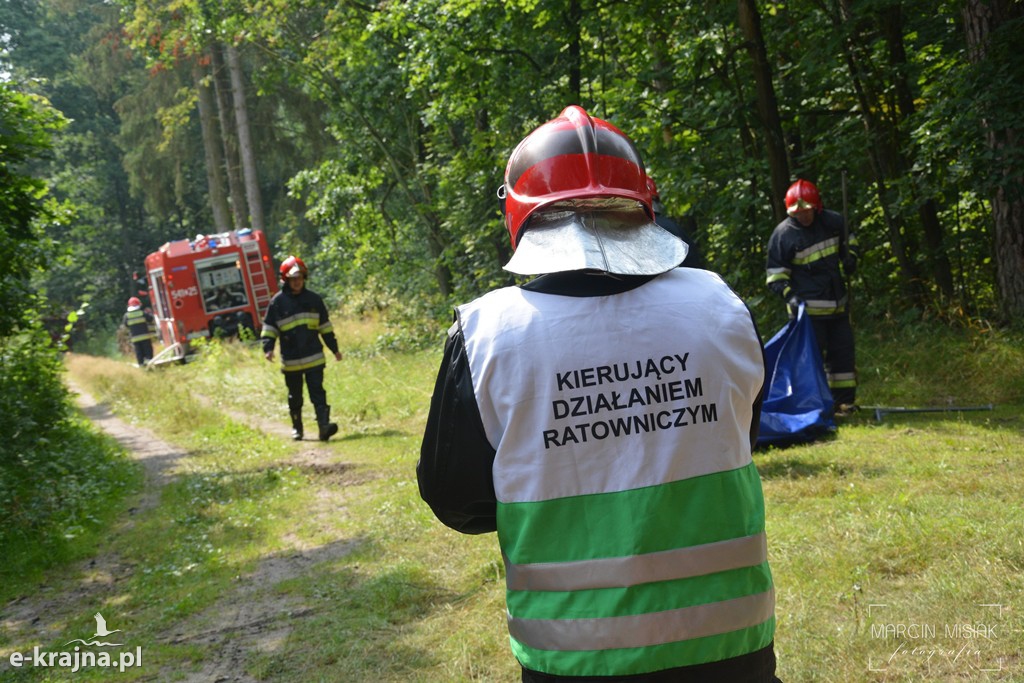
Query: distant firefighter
x,y
141,331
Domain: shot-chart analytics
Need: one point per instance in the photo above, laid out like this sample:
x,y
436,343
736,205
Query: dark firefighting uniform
x,y
478,480
299,321
142,332
808,263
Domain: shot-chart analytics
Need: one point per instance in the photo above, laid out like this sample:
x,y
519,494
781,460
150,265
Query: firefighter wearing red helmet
x,y
141,330
297,317
810,256
561,419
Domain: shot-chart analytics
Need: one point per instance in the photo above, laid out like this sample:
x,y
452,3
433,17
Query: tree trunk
x,y
982,18
886,161
248,156
573,21
229,136
663,80
767,105
212,150
891,24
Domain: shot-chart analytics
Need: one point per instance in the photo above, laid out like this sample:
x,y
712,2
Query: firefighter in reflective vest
x,y
601,419
141,331
298,317
810,255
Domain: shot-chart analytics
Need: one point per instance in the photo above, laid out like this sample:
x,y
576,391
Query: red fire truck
x,y
212,286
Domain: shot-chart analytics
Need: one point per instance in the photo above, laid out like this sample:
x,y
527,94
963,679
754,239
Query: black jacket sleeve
x,y
454,470
326,327
780,262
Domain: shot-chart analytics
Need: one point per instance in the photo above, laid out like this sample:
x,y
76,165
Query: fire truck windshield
x,y
220,283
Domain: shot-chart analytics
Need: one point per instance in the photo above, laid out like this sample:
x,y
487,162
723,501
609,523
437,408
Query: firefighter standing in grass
x,y
298,317
601,419
141,330
810,254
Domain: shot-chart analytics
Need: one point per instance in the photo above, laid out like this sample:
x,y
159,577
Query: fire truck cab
x,y
212,286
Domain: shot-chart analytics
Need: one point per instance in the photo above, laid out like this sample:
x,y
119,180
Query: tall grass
x,y
912,522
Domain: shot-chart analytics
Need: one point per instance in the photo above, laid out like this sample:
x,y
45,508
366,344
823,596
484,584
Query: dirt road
x,y
251,618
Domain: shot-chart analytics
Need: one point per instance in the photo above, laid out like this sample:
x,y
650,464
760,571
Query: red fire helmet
x,y
573,156
134,302
802,195
293,266
652,187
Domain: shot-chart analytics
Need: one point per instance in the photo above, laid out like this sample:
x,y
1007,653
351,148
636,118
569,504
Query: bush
x,y
58,478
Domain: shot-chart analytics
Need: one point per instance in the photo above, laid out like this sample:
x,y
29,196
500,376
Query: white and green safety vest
x,y
630,514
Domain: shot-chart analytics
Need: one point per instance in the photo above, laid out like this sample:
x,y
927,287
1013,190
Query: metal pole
x,y
882,411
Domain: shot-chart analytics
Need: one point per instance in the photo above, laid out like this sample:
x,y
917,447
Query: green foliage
x,y
26,124
382,132
59,482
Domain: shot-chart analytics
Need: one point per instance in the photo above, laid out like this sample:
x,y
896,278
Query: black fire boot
x,y
297,426
323,419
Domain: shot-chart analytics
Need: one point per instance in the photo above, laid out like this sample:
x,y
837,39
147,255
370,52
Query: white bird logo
x,y
101,631
101,627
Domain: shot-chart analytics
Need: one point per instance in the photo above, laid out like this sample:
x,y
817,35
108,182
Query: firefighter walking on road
x,y
141,331
298,318
810,255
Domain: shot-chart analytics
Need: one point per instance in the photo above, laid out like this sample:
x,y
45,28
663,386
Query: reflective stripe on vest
x,y
630,513
635,631
613,572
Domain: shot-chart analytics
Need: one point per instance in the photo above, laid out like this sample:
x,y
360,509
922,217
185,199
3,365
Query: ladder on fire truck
x,y
257,277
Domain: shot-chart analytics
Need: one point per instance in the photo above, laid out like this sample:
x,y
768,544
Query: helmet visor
x,y
608,234
799,205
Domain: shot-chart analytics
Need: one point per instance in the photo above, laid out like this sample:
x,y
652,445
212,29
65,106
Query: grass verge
x,y
885,541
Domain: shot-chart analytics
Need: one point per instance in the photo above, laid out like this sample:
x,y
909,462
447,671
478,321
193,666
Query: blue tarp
x,y
798,405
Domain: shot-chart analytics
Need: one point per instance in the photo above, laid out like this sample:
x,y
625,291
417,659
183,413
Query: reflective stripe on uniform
x,y
295,364
816,251
825,307
842,380
613,572
309,319
643,630
777,274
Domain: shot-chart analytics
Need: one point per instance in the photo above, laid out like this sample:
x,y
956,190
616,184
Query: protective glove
x,y
793,304
850,265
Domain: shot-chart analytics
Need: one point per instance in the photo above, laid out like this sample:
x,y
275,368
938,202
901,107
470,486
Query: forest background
x,y
371,138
